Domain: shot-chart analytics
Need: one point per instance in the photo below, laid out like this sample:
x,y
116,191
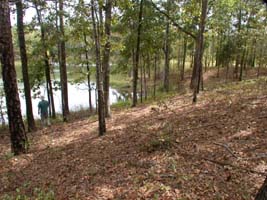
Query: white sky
x,y
29,14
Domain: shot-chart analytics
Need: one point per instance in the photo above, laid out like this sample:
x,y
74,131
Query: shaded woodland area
x,y
192,120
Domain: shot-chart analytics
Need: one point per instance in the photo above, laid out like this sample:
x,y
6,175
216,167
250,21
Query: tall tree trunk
x,y
155,75
136,62
106,56
24,67
192,58
88,73
199,51
148,67
242,65
239,45
63,68
219,62
47,65
99,75
184,59
166,83
141,82
145,80
19,142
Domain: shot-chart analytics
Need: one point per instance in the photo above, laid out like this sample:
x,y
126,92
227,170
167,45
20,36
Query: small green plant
x,y
44,195
122,104
163,143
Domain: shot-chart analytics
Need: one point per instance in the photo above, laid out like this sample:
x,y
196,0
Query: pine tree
x,y
16,127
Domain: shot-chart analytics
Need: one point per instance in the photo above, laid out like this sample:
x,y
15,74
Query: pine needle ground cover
x,y
172,149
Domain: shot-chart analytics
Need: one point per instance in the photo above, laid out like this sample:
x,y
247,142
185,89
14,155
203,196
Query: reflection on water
x,y
78,98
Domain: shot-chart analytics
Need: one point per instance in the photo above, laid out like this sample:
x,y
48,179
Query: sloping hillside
x,y
172,149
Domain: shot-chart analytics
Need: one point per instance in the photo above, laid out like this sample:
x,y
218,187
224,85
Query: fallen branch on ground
x,y
186,153
235,167
227,148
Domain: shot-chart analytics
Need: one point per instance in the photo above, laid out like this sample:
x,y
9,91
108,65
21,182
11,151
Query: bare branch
x,y
227,148
173,21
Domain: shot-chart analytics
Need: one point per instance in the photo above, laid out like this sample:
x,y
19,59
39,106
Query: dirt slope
x,y
171,150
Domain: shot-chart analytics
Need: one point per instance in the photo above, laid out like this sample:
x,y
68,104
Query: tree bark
x,y
239,44
63,67
47,65
106,56
136,63
197,70
24,67
141,81
19,142
166,83
184,59
145,80
242,64
99,75
88,74
155,76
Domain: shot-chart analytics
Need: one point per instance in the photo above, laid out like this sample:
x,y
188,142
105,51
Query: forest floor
x,y
170,149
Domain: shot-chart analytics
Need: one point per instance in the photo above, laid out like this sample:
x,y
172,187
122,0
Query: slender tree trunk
x,y
238,57
106,56
141,82
155,76
2,118
88,74
218,59
24,66
136,63
145,81
47,65
192,59
19,142
179,60
242,65
184,59
199,51
212,56
99,75
148,67
63,67
166,83
133,63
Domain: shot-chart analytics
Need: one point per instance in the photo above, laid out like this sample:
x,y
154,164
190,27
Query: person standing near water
x,y
43,111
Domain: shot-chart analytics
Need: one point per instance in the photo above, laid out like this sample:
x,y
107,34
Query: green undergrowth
x,y
121,105
37,194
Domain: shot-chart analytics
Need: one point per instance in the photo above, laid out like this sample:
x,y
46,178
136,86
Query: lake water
x,y
77,95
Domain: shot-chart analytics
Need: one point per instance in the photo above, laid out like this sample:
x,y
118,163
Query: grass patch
x,y
121,105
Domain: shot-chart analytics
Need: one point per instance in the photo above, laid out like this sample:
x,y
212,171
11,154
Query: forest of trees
x,y
138,38
157,43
